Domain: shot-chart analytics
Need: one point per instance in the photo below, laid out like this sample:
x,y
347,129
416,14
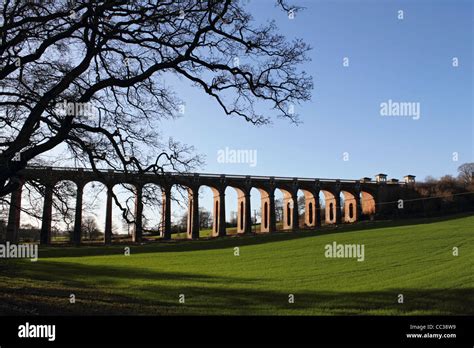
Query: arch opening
x,y
235,208
241,216
328,207
32,207
63,211
180,205
348,207
153,223
308,211
368,207
265,216
94,212
208,218
267,213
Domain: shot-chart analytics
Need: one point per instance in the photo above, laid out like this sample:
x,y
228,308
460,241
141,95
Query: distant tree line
x,y
447,194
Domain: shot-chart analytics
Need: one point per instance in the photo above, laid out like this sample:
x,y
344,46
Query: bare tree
x,y
126,227
466,173
88,77
183,221
301,205
233,218
90,228
279,209
205,218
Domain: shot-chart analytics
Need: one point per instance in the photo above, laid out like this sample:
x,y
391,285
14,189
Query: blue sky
x,y
407,60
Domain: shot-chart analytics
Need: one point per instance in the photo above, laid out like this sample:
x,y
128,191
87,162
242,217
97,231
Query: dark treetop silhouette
x,y
111,57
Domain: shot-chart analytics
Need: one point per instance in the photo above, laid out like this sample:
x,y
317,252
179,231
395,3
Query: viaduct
x,y
361,198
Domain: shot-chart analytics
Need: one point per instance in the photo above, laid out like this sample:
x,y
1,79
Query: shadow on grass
x,y
109,290
75,274
231,241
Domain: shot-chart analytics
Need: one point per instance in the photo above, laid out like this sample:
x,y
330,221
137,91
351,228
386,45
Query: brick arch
x,y
368,204
349,207
244,218
312,216
331,205
268,220
290,208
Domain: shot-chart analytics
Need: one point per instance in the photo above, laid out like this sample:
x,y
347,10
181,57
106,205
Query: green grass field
x,y
414,259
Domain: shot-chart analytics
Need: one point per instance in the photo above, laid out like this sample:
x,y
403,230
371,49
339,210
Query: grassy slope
x,y
413,260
